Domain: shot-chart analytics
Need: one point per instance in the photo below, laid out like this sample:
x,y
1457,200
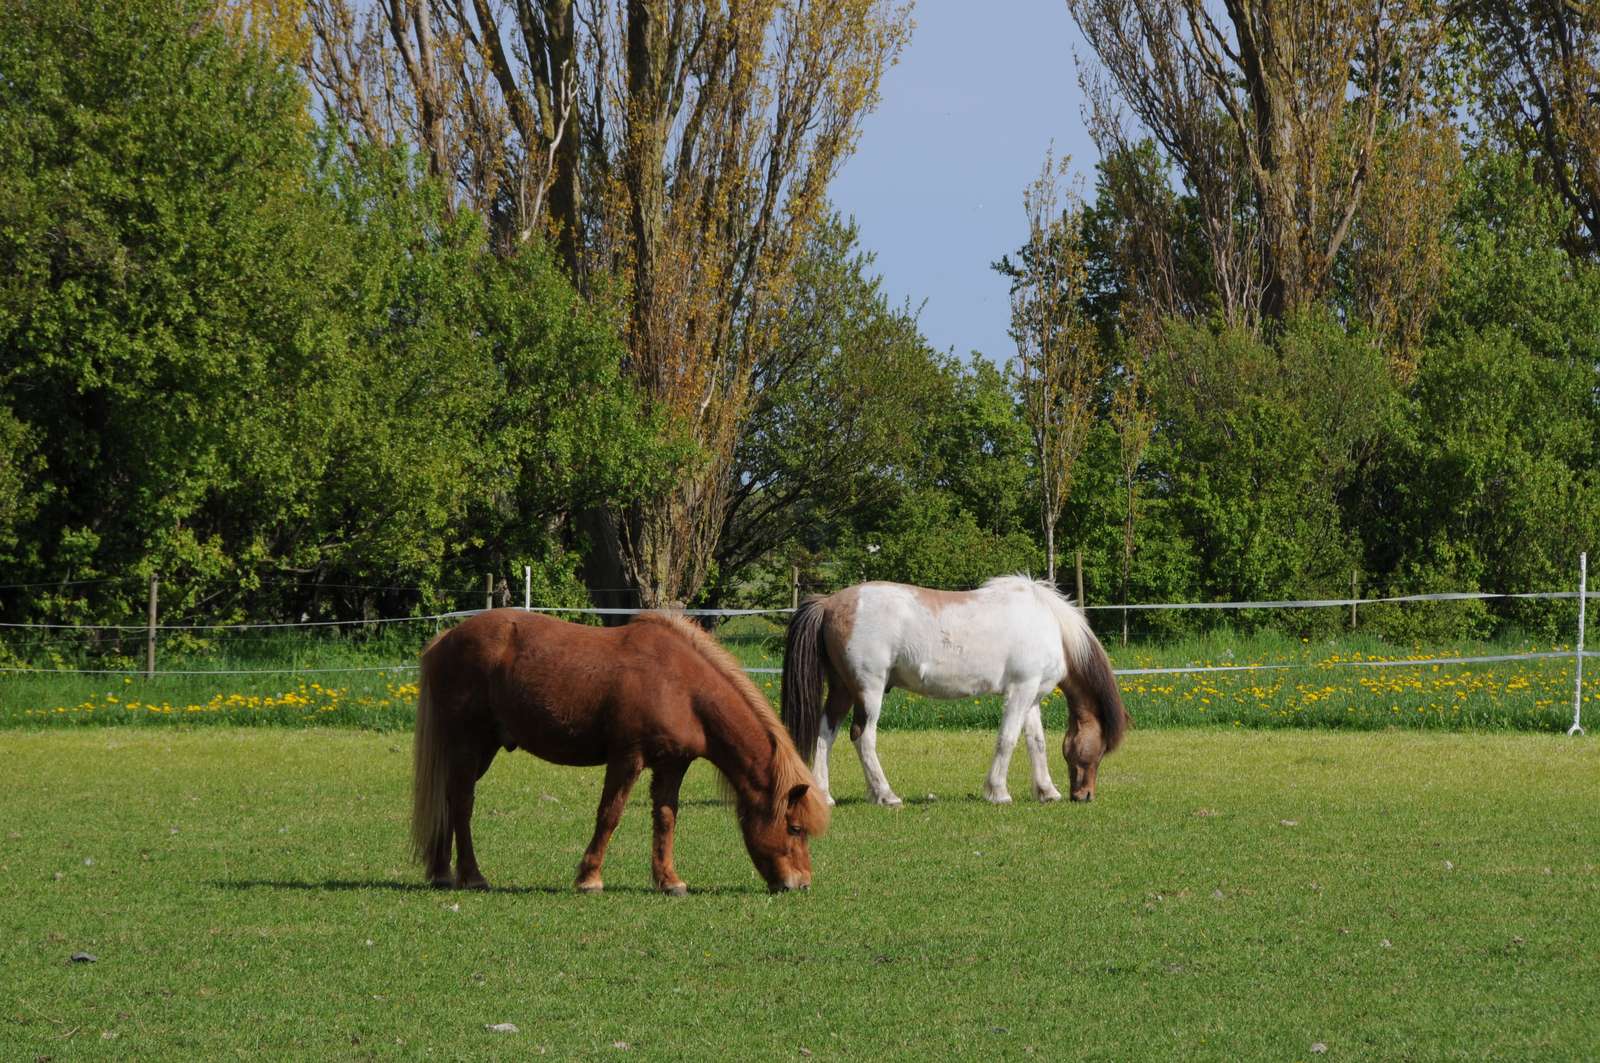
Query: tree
x,y
1134,421
687,149
1059,364
155,209
258,364
1303,91
1539,76
840,402
1491,484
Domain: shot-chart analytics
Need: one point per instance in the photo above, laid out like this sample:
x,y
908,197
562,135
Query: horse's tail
x,y
1089,666
803,661
429,821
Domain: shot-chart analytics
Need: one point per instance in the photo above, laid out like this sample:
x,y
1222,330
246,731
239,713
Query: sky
x,y
936,181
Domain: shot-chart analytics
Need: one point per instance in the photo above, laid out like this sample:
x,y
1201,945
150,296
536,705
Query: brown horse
x,y
657,693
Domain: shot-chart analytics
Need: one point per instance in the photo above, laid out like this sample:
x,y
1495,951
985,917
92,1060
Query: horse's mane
x,y
789,770
1075,631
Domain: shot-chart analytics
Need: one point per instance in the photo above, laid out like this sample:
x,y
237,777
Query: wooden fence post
x,y
488,590
150,632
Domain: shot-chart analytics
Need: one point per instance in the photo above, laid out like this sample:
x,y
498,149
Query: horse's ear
x,y
797,793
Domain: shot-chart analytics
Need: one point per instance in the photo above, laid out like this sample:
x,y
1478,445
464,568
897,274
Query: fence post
x,y
794,586
1352,599
527,586
1577,693
488,590
150,631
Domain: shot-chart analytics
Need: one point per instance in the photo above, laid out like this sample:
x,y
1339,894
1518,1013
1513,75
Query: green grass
x,y
1232,895
365,680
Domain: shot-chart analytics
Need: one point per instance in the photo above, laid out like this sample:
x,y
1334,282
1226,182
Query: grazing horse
x,y
656,693
1013,636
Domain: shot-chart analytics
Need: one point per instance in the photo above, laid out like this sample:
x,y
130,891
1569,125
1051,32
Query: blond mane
x,y
789,769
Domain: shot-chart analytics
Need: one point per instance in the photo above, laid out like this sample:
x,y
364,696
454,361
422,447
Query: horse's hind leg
x,y
664,782
838,704
1005,743
465,771
620,776
865,734
1044,787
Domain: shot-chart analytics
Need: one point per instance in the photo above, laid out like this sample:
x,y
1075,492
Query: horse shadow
x,y
355,885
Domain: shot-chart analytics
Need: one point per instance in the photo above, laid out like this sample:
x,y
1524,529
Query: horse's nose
x,y
790,882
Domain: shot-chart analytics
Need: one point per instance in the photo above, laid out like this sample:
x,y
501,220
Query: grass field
x,y
367,680
1232,895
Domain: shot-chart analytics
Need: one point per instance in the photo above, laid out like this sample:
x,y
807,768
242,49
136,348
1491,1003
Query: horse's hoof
x,y
476,883
1049,795
675,889
442,882
998,799
591,887
831,802
891,801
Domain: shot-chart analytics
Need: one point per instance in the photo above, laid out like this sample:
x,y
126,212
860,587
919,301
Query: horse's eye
x,y
793,829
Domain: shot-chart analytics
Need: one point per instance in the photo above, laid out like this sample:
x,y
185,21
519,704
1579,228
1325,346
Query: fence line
x,y
1277,666
1582,594
1305,603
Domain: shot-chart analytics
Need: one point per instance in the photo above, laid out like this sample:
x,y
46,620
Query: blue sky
x,y
936,181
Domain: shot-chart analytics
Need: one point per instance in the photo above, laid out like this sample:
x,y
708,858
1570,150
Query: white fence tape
x,y
1278,666
1306,603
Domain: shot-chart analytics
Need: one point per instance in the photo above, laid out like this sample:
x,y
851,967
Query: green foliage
x,y
1259,439
842,405
928,539
1493,486
242,357
154,205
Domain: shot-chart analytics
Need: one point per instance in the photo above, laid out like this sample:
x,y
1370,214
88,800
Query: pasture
x,y
1289,894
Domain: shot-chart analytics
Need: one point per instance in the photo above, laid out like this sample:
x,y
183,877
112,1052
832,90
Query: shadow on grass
x,y
354,885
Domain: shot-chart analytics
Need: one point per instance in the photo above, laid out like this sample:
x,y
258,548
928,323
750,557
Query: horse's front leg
x,y
1016,711
664,782
1044,787
865,734
620,775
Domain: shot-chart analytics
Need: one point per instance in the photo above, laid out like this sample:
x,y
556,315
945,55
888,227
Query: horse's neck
x,y
738,746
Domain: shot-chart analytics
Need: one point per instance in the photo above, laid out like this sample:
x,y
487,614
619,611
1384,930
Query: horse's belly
x,y
552,738
947,683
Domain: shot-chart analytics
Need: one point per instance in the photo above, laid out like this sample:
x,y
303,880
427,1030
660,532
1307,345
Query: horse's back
x,y
539,683
571,693
952,643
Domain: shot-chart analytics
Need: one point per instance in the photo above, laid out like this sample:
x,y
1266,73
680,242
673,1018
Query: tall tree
x,y
1540,67
1134,419
1059,363
841,407
1302,90
686,149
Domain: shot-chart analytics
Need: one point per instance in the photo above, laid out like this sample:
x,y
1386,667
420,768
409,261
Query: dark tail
x,y
803,655
428,811
1098,681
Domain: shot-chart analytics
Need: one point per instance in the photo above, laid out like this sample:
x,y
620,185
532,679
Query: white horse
x,y
1013,636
